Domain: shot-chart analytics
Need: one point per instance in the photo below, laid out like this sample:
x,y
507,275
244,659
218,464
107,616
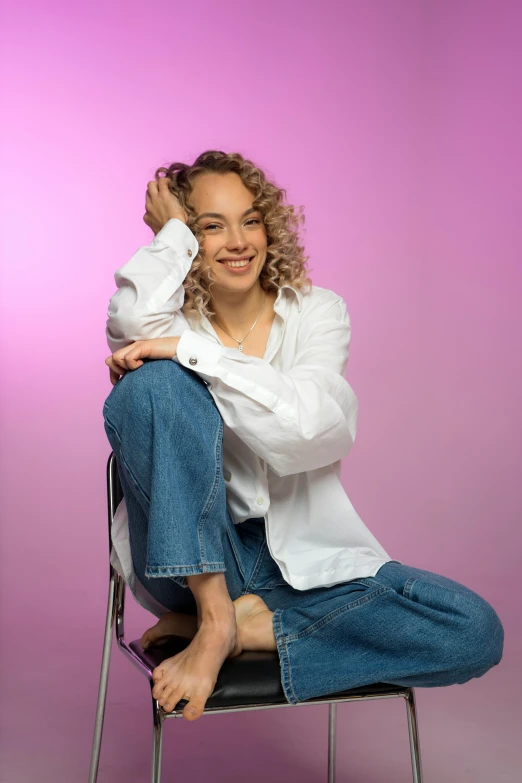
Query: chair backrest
x,y
114,497
113,481
114,491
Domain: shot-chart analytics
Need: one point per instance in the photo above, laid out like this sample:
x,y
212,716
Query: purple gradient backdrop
x,y
397,124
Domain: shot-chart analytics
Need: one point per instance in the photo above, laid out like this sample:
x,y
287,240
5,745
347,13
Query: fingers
x,y
115,366
127,358
120,364
156,186
115,369
155,201
115,377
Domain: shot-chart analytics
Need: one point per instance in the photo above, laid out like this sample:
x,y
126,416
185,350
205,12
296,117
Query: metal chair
x,y
250,681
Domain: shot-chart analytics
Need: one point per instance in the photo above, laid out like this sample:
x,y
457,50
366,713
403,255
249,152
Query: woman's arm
x,y
150,293
297,420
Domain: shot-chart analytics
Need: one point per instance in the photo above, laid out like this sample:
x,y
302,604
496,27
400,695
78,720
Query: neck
x,y
237,311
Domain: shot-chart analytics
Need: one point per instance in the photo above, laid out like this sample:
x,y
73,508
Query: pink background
x,y
397,124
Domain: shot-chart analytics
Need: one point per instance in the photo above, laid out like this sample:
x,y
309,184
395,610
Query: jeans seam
x,y
284,658
409,586
214,491
256,568
236,554
121,459
336,612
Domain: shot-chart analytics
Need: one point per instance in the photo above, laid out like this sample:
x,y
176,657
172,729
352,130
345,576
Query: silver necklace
x,y
240,347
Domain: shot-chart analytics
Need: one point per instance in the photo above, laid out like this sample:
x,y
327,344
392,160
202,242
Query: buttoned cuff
x,y
199,354
175,233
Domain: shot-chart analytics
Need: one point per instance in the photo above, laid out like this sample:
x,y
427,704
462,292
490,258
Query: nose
x,y
236,239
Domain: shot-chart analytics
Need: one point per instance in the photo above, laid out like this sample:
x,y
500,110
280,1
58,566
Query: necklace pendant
x,y
240,347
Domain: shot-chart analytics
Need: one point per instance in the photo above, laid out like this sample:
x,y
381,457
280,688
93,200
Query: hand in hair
x,y
161,205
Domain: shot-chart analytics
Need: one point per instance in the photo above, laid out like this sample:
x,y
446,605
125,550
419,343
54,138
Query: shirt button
x,y
193,360
189,253
260,501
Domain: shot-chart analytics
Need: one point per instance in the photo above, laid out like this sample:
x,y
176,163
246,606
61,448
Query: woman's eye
x,y
215,225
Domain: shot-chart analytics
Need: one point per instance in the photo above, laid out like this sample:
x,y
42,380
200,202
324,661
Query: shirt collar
x,y
298,293
278,305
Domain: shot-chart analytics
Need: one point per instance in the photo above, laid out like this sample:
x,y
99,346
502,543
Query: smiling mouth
x,y
236,264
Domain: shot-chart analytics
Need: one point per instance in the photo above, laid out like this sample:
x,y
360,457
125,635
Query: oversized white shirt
x,y
289,418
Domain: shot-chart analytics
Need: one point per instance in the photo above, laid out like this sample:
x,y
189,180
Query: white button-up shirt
x,y
289,418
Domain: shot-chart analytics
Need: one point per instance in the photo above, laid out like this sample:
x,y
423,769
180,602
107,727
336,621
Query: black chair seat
x,y
251,678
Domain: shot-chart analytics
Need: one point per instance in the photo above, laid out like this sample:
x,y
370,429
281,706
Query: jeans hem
x,y
284,660
153,572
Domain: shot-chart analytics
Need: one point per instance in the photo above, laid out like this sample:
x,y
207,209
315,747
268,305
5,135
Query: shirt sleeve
x,y
297,420
150,291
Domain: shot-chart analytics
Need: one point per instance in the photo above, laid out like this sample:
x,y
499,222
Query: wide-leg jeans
x,y
403,626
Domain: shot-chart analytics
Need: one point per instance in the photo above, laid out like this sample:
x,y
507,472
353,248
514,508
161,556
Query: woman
x,y
229,417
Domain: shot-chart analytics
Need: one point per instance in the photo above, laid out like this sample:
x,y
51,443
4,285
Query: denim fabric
x,y
403,626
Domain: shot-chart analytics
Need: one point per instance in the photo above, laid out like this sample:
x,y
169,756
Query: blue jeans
x,y
403,626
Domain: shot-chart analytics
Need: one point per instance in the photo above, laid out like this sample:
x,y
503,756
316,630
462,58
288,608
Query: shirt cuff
x,y
199,354
175,233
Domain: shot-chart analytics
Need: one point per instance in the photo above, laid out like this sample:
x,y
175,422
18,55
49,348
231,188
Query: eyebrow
x,y
219,215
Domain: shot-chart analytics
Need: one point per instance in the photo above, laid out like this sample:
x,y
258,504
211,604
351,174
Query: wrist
x,y
178,216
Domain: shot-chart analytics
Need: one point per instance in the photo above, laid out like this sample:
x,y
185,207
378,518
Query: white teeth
x,y
236,263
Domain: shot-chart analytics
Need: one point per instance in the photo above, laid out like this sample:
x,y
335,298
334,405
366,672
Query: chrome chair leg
x,y
413,730
332,726
157,739
104,676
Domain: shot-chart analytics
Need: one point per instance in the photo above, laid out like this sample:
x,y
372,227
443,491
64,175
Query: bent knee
x,y
480,635
158,382
159,374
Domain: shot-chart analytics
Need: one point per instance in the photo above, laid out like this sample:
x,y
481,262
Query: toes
x,y
174,696
160,686
158,673
148,641
166,699
157,691
150,634
194,709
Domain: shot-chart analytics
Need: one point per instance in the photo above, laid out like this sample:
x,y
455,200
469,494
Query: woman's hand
x,y
130,357
161,205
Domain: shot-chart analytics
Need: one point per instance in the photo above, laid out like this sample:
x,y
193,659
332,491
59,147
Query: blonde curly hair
x,y
286,262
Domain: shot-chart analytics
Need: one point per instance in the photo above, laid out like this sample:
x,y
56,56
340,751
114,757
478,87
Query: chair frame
x,y
115,622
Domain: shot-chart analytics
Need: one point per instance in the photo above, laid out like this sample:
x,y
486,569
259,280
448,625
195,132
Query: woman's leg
x,y
166,432
404,626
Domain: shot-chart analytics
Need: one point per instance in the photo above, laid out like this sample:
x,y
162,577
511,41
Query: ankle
x,y
212,597
217,612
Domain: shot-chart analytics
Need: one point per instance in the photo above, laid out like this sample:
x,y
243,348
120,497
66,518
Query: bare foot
x,y
253,618
170,624
254,623
192,673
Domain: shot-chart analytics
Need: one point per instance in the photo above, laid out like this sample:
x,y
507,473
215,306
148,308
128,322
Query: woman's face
x,y
235,232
